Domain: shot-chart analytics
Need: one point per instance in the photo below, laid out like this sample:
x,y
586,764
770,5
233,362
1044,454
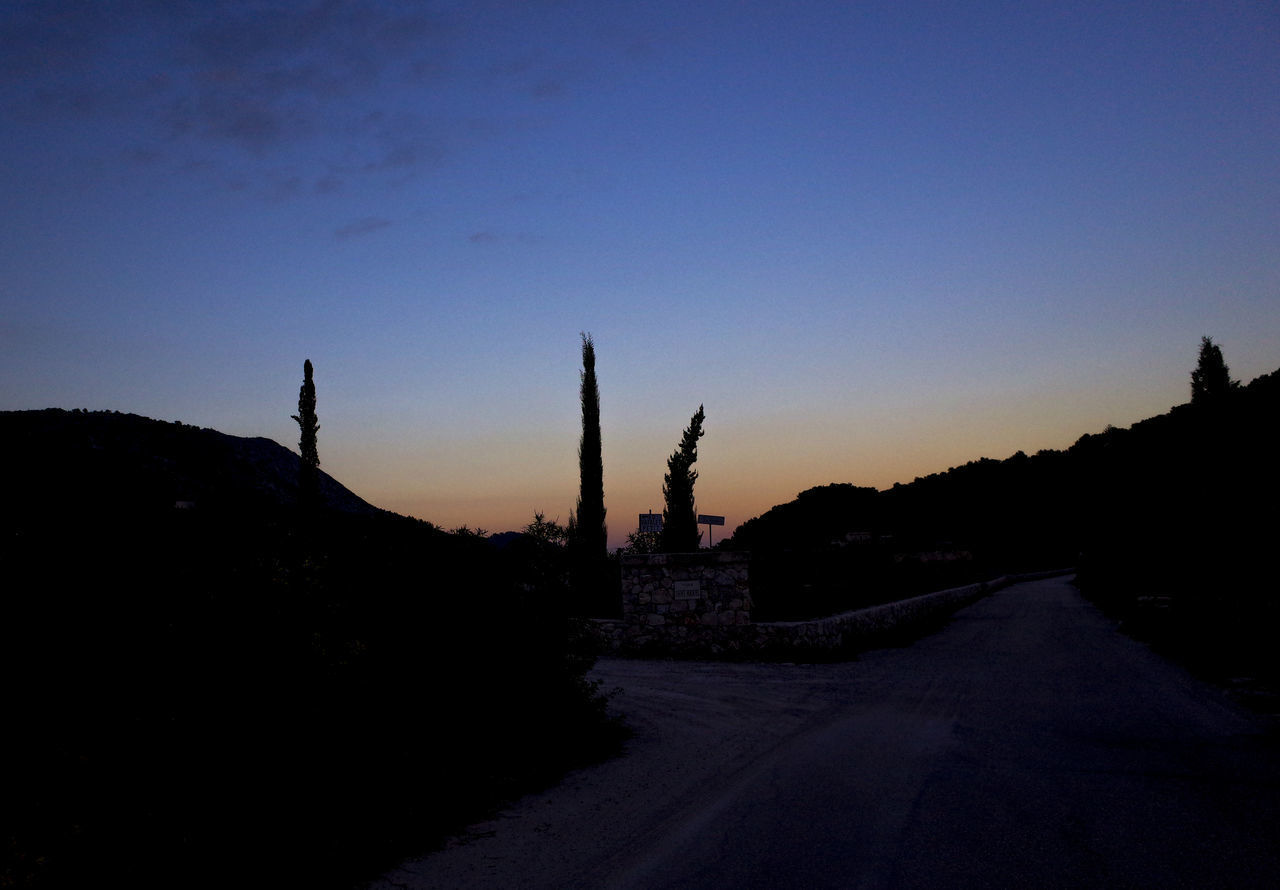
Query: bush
x,y
235,702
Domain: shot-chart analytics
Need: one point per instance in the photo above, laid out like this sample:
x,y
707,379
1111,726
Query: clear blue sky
x,y
875,240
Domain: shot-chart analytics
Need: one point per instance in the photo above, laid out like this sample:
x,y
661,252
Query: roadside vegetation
x,y
224,669
1182,533
1171,522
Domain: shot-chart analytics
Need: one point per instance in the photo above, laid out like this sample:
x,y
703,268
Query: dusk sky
x,y
875,240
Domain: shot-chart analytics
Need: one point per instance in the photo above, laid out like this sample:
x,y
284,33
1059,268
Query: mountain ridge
x,y
104,460
820,514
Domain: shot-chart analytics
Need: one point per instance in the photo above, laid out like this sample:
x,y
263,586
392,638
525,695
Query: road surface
x,y
1026,744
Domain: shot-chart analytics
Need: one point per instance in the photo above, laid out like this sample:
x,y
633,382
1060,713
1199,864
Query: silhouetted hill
x,y
242,693
104,461
1020,506
1172,522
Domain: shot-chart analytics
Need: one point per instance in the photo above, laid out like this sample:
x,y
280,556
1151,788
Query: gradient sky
x,y
875,239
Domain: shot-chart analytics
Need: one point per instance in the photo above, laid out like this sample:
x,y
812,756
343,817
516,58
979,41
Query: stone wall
x,y
719,625
676,594
679,603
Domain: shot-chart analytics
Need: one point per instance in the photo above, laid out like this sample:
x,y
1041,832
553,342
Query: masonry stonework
x,y
675,595
664,613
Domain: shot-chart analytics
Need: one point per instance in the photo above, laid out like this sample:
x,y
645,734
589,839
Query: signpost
x,y
652,522
708,521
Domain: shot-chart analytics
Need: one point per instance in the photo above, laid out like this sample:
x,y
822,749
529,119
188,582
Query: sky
x,y
875,240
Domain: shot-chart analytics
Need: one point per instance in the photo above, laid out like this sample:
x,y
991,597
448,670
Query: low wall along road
x,y
699,604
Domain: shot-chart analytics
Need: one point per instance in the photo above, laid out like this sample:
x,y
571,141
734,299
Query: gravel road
x,y
1026,744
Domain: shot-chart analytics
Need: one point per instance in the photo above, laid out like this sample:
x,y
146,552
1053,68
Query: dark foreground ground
x,y
1026,744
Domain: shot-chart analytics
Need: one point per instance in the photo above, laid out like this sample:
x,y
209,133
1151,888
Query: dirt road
x,y
1026,744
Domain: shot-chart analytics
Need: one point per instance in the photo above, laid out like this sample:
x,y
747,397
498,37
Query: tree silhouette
x,y
308,479
679,515
589,525
643,542
1211,380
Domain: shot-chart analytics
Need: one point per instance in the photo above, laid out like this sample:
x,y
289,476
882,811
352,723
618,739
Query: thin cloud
x,y
403,155
251,76
365,226
329,185
489,237
241,89
548,89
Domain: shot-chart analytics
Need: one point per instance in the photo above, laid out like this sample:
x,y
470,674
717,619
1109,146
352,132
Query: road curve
x,y
1026,744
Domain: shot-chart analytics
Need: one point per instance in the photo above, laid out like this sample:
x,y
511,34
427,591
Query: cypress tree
x,y
679,515
308,480
590,511
589,538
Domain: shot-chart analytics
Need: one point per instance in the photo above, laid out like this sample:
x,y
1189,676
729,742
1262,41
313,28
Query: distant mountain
x,y
105,462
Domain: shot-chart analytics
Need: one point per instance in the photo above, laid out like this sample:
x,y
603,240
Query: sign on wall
x,y
688,590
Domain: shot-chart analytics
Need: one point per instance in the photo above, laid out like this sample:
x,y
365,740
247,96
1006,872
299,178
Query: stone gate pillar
x,y
674,590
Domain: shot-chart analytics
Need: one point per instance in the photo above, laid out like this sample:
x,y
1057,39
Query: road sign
x,y
709,520
650,522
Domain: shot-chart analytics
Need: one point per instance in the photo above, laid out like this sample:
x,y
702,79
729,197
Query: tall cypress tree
x,y
308,478
680,514
589,537
590,510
